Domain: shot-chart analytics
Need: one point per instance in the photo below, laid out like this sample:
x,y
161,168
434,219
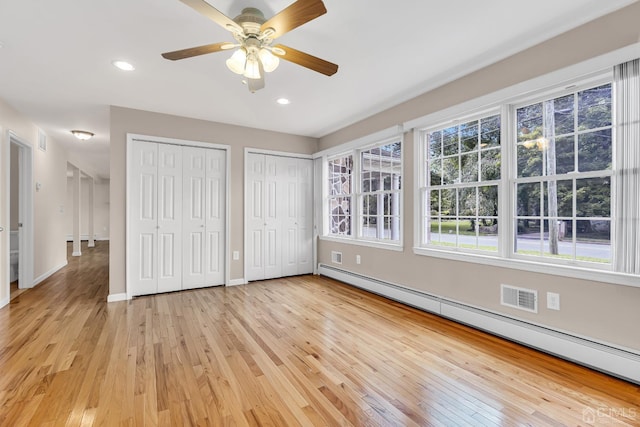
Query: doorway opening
x,y
20,202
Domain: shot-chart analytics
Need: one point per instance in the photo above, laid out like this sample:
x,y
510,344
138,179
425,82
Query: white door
x,y
255,217
279,221
289,210
215,199
169,218
273,199
297,217
143,219
305,217
193,205
204,217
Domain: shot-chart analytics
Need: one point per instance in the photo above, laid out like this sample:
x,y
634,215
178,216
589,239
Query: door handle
x,y
1,228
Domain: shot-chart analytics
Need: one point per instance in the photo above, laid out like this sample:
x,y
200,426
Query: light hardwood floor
x,y
294,351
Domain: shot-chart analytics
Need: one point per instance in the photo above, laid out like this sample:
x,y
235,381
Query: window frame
x,y
356,236
526,93
328,197
514,180
424,186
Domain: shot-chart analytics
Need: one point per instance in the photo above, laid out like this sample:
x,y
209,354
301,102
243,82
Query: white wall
x,y
100,209
49,169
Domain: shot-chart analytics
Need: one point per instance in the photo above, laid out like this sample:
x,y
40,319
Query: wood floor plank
x,y
305,351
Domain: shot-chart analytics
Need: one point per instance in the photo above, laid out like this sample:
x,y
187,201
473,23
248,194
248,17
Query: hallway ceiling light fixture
x,y
123,65
254,35
82,135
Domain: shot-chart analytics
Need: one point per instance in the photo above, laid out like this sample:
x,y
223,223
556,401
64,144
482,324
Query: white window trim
x,y
421,179
507,101
325,196
354,148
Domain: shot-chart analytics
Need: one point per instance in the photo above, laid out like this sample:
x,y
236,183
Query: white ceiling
x,y
55,59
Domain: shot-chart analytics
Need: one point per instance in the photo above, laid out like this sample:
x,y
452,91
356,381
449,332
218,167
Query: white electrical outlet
x,y
236,255
553,301
358,259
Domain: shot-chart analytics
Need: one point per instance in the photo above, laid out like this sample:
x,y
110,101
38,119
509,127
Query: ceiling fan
x,y
255,35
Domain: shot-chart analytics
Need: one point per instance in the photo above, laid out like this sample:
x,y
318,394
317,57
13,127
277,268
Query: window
x,y
380,183
340,170
545,196
563,177
461,185
366,186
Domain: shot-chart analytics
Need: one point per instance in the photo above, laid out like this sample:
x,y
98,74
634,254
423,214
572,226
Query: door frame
x,y
25,210
131,137
250,150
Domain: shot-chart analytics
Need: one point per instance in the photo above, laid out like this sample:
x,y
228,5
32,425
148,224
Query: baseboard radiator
x,y
618,362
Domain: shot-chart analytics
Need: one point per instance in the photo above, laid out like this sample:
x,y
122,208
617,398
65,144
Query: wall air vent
x,y
523,299
336,257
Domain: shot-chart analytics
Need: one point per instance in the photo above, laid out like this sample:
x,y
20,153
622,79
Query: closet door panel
x,y
305,216
169,218
215,216
193,222
289,213
273,201
255,217
143,219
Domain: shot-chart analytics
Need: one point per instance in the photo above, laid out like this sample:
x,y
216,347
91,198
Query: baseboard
x,y
116,297
48,273
619,362
5,301
85,237
236,282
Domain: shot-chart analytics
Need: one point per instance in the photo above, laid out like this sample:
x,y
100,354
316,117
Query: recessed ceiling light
x,y
123,65
283,101
82,135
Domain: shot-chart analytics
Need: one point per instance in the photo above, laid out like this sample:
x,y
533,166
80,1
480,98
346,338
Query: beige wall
x,y
599,310
125,121
100,209
49,169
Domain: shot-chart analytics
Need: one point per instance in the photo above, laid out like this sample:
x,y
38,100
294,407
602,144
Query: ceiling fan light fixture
x,y
252,68
237,61
269,61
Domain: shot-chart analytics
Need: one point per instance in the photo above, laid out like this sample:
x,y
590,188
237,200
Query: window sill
x,y
533,266
398,247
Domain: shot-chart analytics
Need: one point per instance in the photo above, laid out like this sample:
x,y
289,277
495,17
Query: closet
x,y
176,197
279,220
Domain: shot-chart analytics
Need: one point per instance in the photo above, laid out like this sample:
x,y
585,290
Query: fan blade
x,y
214,14
195,51
293,16
304,59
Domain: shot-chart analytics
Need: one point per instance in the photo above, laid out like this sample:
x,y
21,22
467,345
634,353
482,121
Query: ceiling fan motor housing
x,y
250,19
